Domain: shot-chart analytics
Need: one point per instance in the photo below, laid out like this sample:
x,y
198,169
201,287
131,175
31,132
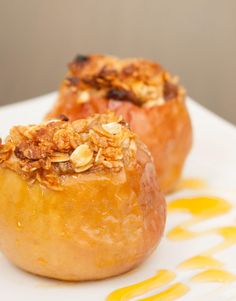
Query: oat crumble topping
x,y
139,81
47,151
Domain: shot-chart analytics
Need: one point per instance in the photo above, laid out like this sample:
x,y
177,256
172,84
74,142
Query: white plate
x,y
213,158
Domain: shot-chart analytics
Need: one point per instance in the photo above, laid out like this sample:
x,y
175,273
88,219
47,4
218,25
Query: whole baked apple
x,y
79,200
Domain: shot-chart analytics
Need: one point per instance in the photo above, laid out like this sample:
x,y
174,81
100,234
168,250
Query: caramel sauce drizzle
x,y
200,209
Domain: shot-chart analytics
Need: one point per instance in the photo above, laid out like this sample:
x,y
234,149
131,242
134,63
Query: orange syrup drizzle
x,y
191,183
214,275
174,292
200,262
200,209
163,277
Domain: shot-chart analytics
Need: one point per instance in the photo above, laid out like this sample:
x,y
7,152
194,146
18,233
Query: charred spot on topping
x,y
121,94
63,117
80,58
73,80
170,90
117,93
18,153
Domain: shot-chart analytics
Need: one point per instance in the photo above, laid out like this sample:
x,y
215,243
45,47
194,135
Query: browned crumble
x,y
47,151
139,81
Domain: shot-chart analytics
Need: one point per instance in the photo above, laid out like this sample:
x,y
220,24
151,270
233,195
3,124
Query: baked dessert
x,y
147,97
79,200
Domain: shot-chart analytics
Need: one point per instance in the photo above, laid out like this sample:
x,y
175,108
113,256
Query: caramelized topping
x,y
47,151
139,81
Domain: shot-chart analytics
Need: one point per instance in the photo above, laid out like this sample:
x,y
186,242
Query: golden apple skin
x,y
98,226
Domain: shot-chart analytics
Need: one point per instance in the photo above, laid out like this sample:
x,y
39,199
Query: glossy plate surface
x,y
196,258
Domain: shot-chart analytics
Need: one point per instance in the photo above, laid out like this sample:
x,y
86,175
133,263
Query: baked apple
x,y
79,200
147,97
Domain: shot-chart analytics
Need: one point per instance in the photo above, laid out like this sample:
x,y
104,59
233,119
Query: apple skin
x,y
167,132
100,225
